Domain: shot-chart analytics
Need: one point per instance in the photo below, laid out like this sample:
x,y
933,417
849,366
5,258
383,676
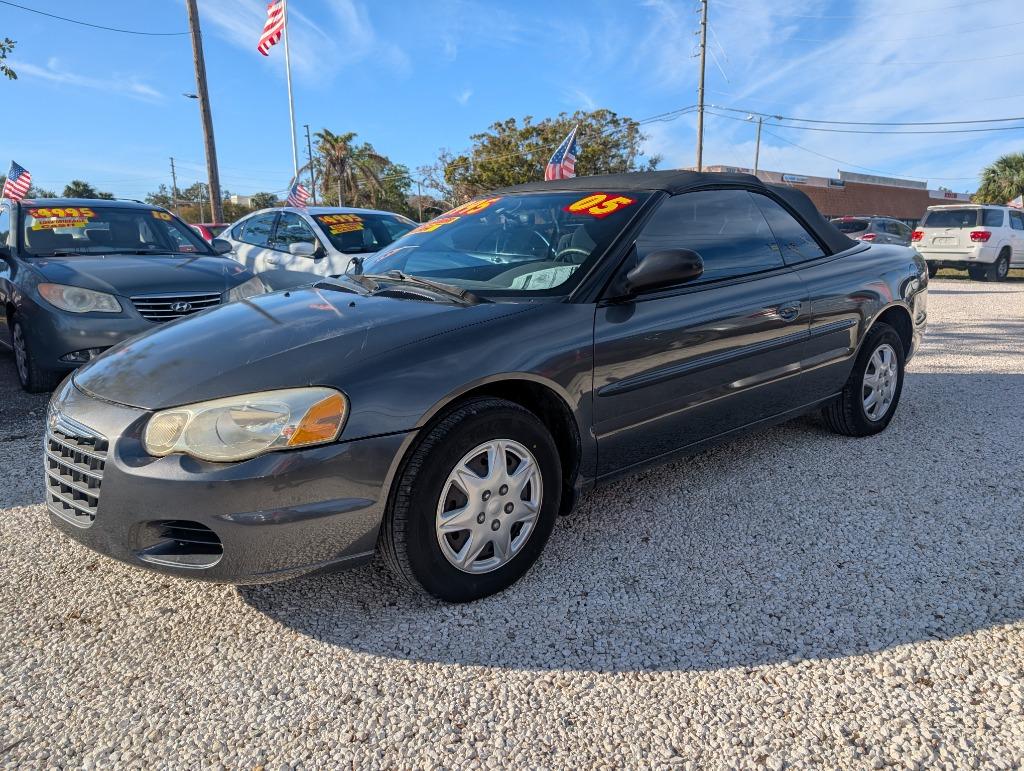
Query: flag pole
x,y
291,101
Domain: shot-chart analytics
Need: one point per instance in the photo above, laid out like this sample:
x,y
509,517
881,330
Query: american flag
x,y
563,163
298,196
1016,203
274,27
17,184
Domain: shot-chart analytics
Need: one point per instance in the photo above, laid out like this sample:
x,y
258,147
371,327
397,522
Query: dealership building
x,y
861,194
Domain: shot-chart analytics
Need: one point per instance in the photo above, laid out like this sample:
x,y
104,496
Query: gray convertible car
x,y
449,399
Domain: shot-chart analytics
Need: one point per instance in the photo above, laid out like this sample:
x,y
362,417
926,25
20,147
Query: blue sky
x,y
413,77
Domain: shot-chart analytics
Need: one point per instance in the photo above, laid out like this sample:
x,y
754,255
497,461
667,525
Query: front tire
x,y
474,503
872,392
33,379
932,269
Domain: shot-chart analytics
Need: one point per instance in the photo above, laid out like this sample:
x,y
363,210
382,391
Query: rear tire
x,y
977,272
426,494
932,269
33,379
1000,269
873,373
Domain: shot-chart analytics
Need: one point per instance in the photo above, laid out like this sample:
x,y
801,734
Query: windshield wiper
x,y
448,290
366,285
66,253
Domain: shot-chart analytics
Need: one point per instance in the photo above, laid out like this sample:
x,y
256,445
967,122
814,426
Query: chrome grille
x,y
167,307
75,458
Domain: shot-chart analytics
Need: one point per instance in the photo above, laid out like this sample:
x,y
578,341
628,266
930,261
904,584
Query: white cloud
x,y
54,73
342,38
464,96
577,98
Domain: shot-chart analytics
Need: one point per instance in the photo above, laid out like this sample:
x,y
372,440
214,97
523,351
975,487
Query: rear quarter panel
x,y
847,294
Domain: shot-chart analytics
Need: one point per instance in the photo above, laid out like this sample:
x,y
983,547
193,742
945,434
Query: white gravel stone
x,y
793,599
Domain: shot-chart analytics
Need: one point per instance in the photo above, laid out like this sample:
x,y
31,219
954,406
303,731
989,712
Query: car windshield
x,y
50,230
526,244
952,218
850,225
362,232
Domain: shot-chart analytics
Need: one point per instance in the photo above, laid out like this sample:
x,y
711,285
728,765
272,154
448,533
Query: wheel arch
x,y
549,402
897,316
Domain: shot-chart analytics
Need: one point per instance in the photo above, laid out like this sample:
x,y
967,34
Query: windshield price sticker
x,y
430,227
77,212
341,223
473,207
60,222
599,205
161,215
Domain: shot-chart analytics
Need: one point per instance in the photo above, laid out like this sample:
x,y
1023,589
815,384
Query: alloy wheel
x,y
20,351
881,377
489,506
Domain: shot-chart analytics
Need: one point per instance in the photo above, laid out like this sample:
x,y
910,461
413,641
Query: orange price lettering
x,y
430,227
599,205
473,207
161,215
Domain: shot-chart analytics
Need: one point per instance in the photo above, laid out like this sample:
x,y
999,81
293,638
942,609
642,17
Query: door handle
x,y
789,311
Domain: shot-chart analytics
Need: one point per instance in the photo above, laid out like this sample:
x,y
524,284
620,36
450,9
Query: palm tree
x,y
1003,180
350,170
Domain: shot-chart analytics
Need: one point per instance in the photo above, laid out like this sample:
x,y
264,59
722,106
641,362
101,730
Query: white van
x,y
986,240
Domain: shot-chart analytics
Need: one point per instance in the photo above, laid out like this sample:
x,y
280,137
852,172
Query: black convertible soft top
x,y
673,182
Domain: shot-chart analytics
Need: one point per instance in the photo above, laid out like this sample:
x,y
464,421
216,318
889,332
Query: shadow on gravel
x,y
790,544
22,419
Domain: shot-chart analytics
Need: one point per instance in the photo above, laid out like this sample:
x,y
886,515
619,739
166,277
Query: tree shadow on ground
x,y
793,543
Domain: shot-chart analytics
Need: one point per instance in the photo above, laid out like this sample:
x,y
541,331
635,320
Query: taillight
x,y
868,237
917,236
980,235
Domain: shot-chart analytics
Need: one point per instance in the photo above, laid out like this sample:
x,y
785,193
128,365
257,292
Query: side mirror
x,y
302,249
220,246
663,268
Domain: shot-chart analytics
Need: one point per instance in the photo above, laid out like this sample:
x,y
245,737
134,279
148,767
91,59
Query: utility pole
x,y
700,87
204,111
757,147
174,188
312,173
419,198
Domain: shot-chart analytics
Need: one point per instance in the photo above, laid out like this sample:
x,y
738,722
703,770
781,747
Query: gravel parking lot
x,y
791,599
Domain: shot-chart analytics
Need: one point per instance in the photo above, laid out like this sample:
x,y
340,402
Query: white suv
x,y
986,240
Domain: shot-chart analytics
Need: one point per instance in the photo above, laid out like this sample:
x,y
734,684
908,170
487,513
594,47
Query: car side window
x,y
893,228
1016,220
258,230
292,229
725,227
796,243
5,225
992,218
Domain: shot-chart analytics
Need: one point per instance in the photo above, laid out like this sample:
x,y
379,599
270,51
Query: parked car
x,y
210,230
290,247
986,240
78,276
875,229
446,403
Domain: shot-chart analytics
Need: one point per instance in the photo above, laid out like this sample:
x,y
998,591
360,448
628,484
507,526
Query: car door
x,y
251,240
284,269
684,364
1017,236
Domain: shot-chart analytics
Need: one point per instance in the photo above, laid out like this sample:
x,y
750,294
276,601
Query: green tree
x,y
6,47
1003,180
33,192
263,200
78,188
162,197
350,174
510,152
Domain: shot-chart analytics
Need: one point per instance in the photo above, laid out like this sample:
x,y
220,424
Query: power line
x,y
870,123
89,24
862,168
867,131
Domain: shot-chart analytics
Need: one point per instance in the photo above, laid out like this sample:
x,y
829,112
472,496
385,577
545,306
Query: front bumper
x,y
273,517
54,334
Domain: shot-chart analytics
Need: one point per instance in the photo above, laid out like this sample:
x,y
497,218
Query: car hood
x,y
128,275
310,336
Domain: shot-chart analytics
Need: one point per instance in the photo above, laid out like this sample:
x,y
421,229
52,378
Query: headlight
x,y
254,286
78,300
242,427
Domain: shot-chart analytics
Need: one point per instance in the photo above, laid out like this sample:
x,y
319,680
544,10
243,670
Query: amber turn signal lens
x,y
321,423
